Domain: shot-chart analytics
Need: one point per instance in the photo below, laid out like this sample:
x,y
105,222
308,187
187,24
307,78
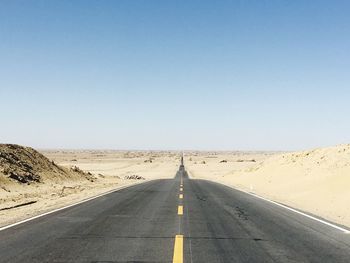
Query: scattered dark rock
x,y
89,176
223,161
241,161
134,177
25,177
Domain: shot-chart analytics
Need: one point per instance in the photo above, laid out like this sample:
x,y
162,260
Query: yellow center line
x,y
181,189
181,196
178,249
180,210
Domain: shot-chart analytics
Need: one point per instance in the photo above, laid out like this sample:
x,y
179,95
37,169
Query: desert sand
x,y
119,164
316,181
85,174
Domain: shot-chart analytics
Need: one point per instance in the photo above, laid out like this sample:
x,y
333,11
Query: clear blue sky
x,y
231,75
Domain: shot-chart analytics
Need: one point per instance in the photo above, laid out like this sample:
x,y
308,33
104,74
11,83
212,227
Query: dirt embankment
x,y
30,183
20,164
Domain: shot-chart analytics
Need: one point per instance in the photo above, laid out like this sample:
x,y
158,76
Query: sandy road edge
x,y
343,228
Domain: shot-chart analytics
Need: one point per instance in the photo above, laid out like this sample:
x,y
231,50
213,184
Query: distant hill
x,y
26,165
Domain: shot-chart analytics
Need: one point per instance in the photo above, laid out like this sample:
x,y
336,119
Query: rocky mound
x,y
26,165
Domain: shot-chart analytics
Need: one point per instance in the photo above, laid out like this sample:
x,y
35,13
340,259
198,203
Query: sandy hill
x,y
326,158
324,165
26,165
317,181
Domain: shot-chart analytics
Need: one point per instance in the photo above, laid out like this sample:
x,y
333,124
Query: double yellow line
x,y
179,243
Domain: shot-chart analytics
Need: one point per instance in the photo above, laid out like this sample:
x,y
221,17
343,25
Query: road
x,y
174,220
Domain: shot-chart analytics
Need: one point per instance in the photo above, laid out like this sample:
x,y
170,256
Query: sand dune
x,y
316,181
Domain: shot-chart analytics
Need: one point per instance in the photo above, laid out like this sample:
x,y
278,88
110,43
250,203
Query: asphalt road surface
x,y
175,220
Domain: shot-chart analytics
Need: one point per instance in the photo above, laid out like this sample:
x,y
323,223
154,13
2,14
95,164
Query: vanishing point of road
x,y
174,220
